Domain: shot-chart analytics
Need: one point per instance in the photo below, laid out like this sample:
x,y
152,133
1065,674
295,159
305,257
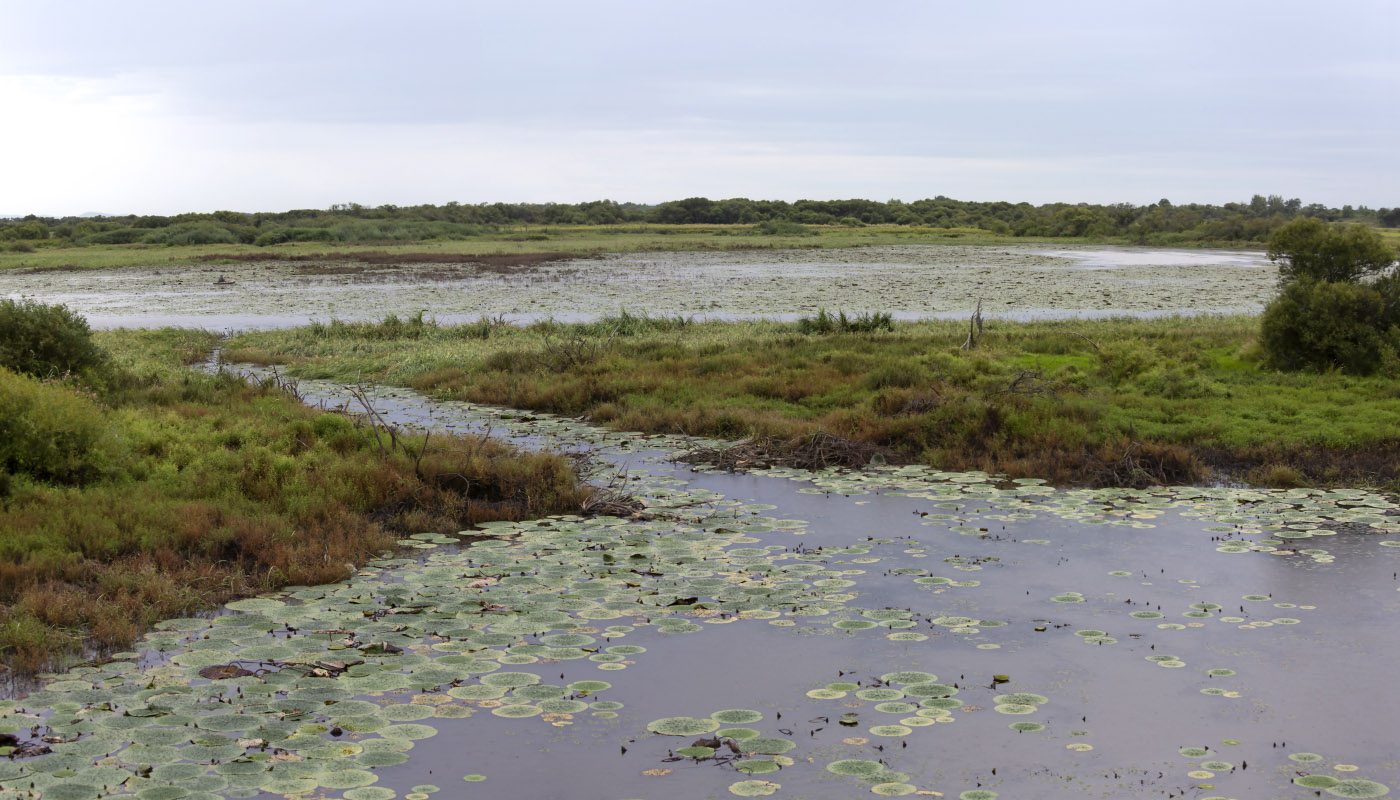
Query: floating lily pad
x,y
254,604
754,788
682,726
1022,698
768,746
855,766
1356,787
736,716
1026,727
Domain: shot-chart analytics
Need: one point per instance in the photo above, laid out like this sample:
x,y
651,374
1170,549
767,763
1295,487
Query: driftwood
x,y
612,499
814,451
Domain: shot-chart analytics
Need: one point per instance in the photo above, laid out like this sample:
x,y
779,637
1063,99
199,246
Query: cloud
x,y
164,105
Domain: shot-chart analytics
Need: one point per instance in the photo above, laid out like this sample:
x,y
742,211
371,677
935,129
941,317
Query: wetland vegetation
x,y
1106,402
1030,530
133,488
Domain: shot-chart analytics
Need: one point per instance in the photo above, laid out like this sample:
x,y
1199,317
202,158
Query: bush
x,y
780,227
193,233
118,236
1311,249
1318,325
45,340
51,432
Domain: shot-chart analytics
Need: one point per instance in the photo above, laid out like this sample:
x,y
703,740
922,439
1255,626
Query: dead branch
x,y
572,351
1091,342
974,329
1031,383
613,499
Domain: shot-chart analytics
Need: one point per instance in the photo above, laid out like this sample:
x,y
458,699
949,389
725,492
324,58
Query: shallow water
x,y
910,281
1014,576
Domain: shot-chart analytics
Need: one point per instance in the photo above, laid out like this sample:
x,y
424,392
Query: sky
x,y
164,107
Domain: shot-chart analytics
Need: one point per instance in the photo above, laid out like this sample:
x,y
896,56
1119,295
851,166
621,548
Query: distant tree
x,y
29,229
1389,217
1309,249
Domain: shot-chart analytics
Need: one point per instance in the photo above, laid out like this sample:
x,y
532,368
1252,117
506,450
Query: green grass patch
x,y
1109,402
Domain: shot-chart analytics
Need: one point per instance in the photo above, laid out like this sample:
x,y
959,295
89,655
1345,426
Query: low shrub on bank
x,y
45,340
53,432
1346,326
173,490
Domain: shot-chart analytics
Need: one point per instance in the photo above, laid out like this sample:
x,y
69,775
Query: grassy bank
x,y
1118,402
577,240
146,490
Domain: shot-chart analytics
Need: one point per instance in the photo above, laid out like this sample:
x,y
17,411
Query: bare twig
x,y
974,329
572,351
1091,342
1031,383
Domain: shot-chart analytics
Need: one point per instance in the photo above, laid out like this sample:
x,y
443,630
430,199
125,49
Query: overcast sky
x,y
147,107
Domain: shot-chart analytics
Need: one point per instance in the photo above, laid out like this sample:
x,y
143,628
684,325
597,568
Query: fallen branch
x,y
816,451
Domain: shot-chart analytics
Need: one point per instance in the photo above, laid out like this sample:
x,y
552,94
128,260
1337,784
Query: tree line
x,y
1156,223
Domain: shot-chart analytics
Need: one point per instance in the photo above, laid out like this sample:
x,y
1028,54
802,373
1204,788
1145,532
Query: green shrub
x,y
1119,361
192,233
1318,325
780,227
51,432
45,340
118,236
1310,249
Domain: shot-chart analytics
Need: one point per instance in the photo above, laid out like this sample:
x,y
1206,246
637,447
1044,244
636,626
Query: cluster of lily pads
x,y
1305,766
442,636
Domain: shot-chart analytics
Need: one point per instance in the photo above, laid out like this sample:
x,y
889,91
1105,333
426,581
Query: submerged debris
x,y
815,451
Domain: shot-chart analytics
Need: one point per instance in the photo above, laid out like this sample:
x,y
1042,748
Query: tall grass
x,y
824,322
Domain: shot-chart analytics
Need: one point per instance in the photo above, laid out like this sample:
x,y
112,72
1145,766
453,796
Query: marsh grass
x,y
839,322
1113,402
162,491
